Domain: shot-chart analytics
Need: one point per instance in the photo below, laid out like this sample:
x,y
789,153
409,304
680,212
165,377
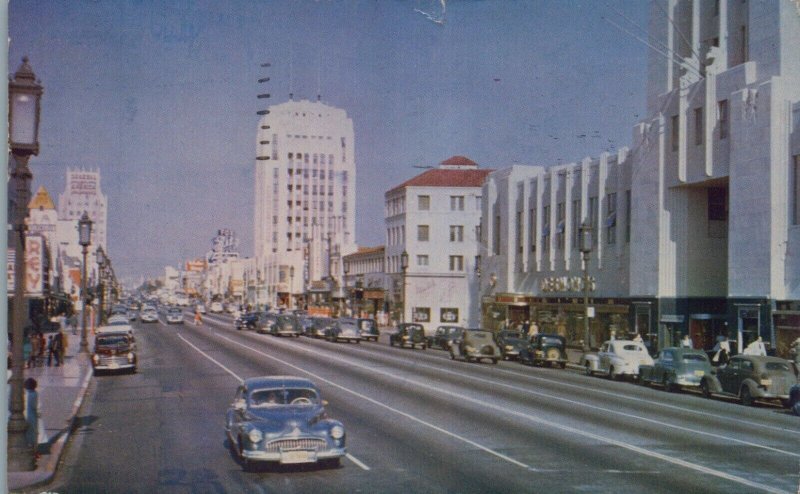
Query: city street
x,y
416,422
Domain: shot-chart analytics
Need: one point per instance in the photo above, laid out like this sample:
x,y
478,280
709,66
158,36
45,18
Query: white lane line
x,y
387,407
239,379
574,402
532,418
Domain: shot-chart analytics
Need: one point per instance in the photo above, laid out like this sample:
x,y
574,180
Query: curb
x,y
56,450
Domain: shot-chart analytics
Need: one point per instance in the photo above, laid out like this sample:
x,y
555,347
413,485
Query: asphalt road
x,y
416,422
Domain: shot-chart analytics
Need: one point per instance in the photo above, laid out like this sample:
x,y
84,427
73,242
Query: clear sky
x,y
161,97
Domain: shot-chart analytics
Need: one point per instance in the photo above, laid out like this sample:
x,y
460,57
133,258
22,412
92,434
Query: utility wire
x,y
658,4
643,30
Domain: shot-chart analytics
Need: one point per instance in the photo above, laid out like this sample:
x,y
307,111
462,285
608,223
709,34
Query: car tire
x,y
563,365
588,369
452,355
611,374
705,389
391,342
745,396
669,385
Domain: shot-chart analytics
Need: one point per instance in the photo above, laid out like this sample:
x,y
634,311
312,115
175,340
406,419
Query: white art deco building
x,y
304,197
698,225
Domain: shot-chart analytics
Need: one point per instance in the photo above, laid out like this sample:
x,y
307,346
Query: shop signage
x,y
421,314
34,268
448,315
671,318
83,183
565,284
373,294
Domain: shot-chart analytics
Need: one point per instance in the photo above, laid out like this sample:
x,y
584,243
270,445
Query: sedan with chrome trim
x,y
282,419
676,368
345,329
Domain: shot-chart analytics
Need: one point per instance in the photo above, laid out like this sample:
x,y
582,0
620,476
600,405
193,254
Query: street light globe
x,y
85,230
24,99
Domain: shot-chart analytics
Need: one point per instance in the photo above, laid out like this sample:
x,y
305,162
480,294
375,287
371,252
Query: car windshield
x,y
118,322
413,327
550,341
263,398
694,357
628,348
777,366
348,325
511,334
479,335
174,311
112,341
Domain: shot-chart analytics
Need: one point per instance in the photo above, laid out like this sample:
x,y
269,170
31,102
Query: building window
x,y
532,233
520,233
560,226
576,222
423,233
496,234
611,218
796,198
424,203
478,203
698,126
722,108
456,233
456,263
628,216
546,228
743,48
675,132
456,203
422,260
717,204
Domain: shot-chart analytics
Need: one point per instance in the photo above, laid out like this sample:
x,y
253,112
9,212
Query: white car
x,y
149,315
617,358
175,316
215,308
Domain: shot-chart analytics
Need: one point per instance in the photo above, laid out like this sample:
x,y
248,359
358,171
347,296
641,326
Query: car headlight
x,y
130,356
255,435
406,337
509,348
469,349
95,358
337,432
766,382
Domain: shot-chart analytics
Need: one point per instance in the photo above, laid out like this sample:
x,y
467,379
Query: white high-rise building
x,y
304,193
83,194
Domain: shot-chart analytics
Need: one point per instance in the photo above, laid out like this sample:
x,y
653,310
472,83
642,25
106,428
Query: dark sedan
x,y
676,368
282,419
408,334
511,343
444,336
750,378
544,348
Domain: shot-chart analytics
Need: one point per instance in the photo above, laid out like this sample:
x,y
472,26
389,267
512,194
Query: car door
x,y
665,365
604,357
728,375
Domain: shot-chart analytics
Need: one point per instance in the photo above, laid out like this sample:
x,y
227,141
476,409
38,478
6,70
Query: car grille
x,y
290,444
487,350
112,359
780,385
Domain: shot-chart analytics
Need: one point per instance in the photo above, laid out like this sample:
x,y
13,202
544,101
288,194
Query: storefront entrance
x,y
749,325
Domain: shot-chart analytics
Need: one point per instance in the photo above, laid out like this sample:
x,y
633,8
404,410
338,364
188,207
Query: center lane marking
x,y
238,378
597,437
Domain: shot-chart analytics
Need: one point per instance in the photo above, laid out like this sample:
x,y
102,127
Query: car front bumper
x,y
294,456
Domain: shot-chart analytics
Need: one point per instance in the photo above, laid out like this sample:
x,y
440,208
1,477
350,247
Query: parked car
x,y
215,307
284,325
368,328
200,308
511,343
794,399
118,319
245,320
282,420
175,315
676,368
264,322
149,315
443,337
545,349
476,344
617,359
306,323
132,314
114,350
408,334
320,327
751,378
345,329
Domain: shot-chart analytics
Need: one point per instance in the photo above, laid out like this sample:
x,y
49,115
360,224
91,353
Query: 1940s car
x,y
284,325
443,337
676,368
345,329
369,329
750,378
282,419
476,344
114,350
511,343
617,359
544,349
411,334
320,327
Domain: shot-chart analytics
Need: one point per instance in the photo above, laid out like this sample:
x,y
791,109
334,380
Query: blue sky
x,y
161,96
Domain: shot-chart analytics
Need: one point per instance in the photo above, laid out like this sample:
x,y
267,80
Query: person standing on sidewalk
x,y
50,350
32,412
35,349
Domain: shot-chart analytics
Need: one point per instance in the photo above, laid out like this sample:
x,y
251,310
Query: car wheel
x,y
745,396
611,374
358,342
246,464
704,387
669,384
452,355
563,365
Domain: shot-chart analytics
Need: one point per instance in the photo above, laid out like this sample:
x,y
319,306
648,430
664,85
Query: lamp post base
x,y
21,456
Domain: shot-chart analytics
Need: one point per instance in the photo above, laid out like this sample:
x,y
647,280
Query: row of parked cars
x,y
347,329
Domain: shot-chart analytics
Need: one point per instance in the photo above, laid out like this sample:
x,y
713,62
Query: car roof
x,y
278,382
116,328
113,333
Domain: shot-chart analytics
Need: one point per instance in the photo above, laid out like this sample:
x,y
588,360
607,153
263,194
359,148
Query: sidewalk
x,y
61,391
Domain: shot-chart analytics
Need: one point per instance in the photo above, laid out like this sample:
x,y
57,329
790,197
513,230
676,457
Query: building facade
x,y
435,219
304,196
697,228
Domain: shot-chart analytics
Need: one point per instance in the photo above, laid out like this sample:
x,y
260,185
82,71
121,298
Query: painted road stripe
x,y
239,379
532,418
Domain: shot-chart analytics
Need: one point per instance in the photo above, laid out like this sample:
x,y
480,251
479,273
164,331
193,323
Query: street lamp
x,y
291,286
24,99
84,239
101,272
404,267
346,270
585,246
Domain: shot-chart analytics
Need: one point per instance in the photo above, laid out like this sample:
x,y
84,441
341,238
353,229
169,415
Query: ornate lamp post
x,y
84,239
585,246
291,287
346,270
24,99
404,267
101,276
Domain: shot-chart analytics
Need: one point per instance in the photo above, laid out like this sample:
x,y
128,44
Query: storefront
x,y
786,320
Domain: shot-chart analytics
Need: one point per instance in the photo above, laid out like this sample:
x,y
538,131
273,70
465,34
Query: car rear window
x,y
694,357
777,366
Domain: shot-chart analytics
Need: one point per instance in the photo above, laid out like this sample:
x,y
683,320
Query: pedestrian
x,y
723,351
794,352
73,323
526,326
198,319
50,350
533,330
58,345
638,338
34,354
756,347
64,344
686,342
32,413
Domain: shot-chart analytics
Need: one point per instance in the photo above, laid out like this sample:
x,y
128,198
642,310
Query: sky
x,y
161,98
